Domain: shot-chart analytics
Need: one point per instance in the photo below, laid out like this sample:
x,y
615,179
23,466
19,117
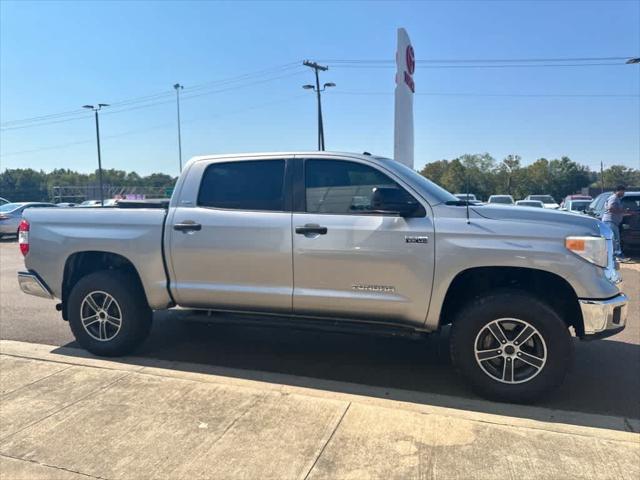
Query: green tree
x,y
619,174
434,171
454,178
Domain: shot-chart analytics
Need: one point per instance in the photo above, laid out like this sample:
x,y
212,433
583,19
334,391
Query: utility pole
x,y
317,89
602,176
510,170
179,87
95,111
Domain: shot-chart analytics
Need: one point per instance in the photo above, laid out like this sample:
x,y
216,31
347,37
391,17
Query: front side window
x,y
343,187
244,185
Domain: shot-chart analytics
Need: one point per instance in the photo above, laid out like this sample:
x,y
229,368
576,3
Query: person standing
x,y
612,216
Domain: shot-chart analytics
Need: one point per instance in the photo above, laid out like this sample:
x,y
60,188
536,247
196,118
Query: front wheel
x,y
511,346
108,313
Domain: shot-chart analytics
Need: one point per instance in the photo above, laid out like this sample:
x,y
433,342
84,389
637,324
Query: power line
x,y
144,130
128,108
40,124
368,63
156,99
159,95
490,60
437,67
533,95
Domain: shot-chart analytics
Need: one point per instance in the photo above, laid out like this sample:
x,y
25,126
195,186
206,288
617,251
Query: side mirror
x,y
395,201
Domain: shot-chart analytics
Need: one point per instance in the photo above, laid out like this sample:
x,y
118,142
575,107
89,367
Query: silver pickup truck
x,y
336,239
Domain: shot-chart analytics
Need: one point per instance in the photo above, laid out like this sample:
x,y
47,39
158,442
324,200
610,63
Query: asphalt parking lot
x,y
604,378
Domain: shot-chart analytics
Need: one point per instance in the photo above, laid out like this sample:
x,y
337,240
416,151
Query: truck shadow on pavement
x,y
604,379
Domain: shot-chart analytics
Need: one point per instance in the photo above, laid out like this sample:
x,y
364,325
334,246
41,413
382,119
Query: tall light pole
x,y
179,87
317,89
96,109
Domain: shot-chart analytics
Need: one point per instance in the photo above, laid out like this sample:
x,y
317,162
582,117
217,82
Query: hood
x,y
542,215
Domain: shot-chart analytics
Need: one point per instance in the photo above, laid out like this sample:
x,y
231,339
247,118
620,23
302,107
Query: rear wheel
x,y
511,346
108,313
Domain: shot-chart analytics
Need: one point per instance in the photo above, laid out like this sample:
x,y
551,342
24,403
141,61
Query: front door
x,y
351,260
230,247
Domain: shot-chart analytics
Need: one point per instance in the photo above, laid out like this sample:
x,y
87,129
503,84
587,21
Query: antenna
x,y
467,181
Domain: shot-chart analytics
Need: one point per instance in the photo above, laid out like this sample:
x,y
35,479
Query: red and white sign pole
x,y
405,88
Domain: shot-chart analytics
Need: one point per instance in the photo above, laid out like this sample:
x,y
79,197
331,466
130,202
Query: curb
x,y
509,415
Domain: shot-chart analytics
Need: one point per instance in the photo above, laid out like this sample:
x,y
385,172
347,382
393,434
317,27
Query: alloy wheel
x,y
101,316
510,350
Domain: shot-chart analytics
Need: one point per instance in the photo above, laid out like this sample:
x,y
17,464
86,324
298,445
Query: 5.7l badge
x,y
416,239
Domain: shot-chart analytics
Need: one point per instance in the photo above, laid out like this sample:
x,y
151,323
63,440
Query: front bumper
x,y
603,318
32,284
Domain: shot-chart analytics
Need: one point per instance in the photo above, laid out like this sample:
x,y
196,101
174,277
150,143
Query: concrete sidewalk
x,y
67,415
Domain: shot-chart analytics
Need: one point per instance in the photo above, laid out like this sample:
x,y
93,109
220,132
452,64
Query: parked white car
x,y
530,203
466,196
501,199
547,200
576,206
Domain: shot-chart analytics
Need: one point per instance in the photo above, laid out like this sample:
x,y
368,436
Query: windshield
x,y
580,205
529,204
10,207
543,198
500,200
434,190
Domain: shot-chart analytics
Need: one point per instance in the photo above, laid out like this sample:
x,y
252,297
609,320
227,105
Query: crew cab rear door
x,y
351,260
230,236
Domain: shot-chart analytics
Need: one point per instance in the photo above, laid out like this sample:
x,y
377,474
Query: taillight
x,y
23,237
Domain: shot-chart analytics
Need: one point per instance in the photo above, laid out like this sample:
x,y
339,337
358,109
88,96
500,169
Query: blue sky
x,y
57,56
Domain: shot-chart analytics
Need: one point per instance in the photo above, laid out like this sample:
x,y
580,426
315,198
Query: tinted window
x,y
341,187
252,185
632,202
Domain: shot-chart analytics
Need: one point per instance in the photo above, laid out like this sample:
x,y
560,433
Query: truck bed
x,y
57,234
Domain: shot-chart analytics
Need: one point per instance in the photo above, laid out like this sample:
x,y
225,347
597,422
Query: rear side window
x,y
244,185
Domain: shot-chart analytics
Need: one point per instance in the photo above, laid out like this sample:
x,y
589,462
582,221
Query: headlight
x,y
592,249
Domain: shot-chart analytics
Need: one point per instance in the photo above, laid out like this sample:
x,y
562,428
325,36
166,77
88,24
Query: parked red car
x,y
630,227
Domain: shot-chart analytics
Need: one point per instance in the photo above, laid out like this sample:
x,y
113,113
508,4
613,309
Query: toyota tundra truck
x,y
336,239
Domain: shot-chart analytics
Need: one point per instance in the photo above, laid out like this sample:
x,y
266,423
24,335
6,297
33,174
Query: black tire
x,y
131,303
470,330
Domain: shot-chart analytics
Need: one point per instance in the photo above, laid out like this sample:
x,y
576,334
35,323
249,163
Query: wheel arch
x,y
546,286
81,264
